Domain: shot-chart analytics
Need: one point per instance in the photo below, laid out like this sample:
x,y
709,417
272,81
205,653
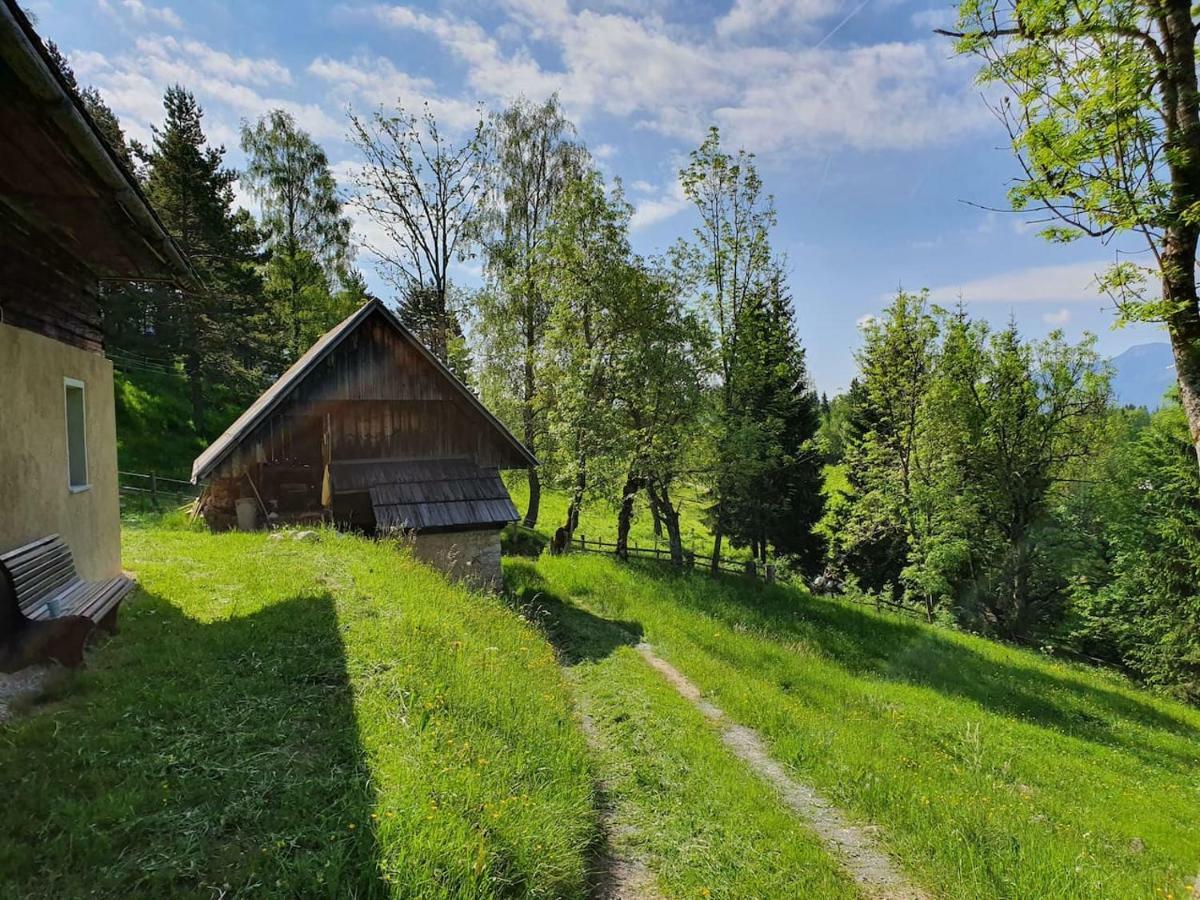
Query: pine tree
x,y
101,113
218,332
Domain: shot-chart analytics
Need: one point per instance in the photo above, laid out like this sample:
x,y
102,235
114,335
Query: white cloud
x,y
754,16
676,81
658,207
604,151
866,321
377,82
143,13
133,84
1059,318
1071,283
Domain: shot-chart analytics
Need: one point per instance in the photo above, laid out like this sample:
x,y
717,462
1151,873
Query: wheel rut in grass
x,y
614,876
855,846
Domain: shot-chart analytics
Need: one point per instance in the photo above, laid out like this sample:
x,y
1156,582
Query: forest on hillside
x,y
978,476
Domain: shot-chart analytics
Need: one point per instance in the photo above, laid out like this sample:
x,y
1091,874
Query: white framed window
x,y
76,407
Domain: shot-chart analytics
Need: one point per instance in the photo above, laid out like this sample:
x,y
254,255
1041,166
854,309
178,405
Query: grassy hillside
x,y
295,720
991,772
155,432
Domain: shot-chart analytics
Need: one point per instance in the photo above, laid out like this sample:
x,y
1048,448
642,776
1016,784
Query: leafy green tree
x,y
1042,406
897,363
307,235
1143,610
586,273
657,389
729,260
1103,110
534,156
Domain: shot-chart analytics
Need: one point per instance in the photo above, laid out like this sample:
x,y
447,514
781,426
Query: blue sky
x,y
872,136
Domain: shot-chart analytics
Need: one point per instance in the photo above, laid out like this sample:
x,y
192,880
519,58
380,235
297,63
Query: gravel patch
x,y
18,689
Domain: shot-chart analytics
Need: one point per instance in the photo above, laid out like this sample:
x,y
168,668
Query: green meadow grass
x,y
288,719
993,772
682,803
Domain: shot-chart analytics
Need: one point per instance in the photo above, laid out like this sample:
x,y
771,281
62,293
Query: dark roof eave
x,y
23,49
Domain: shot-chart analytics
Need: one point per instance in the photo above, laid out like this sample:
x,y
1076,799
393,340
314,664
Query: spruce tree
x,y
218,330
773,491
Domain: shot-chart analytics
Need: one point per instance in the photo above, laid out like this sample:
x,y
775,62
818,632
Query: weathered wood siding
x,y
376,397
44,290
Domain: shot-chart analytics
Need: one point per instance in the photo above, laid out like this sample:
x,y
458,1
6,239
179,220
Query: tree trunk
x,y
196,392
1184,329
625,514
1178,255
535,497
529,426
718,535
655,513
576,502
661,497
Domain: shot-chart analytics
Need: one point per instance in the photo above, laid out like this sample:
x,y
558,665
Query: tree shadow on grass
x,y
891,648
576,634
195,759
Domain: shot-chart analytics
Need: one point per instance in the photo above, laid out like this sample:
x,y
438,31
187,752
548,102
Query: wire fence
x,y
153,490
128,361
690,558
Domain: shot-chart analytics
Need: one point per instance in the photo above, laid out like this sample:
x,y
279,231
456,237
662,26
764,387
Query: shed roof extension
x,y
420,495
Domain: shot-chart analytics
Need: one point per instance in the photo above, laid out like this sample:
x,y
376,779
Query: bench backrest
x,y
38,569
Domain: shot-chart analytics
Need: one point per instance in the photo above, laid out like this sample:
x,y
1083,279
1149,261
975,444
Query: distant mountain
x,y
1142,375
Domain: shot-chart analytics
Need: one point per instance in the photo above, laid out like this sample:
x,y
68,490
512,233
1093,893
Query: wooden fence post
x,y
770,574
154,490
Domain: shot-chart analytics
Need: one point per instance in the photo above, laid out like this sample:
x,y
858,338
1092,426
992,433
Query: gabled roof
x,y
261,408
61,178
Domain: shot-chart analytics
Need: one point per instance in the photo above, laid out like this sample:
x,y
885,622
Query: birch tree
x,y
424,191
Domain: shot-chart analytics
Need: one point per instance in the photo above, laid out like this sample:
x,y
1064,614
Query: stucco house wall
x,y
35,497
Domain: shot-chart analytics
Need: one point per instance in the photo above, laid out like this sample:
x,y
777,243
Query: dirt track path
x,y
876,875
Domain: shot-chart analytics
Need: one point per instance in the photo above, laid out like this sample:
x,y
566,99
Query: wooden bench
x,y
46,610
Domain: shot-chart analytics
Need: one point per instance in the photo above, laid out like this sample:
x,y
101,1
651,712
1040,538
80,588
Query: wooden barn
x,y
370,431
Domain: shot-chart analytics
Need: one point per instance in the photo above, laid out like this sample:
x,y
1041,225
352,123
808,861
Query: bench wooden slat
x,y
101,602
43,573
50,572
8,555
18,563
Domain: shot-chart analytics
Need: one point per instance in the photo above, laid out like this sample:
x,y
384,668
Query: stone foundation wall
x,y
469,556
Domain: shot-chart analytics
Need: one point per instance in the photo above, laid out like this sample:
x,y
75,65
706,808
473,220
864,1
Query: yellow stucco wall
x,y
35,499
